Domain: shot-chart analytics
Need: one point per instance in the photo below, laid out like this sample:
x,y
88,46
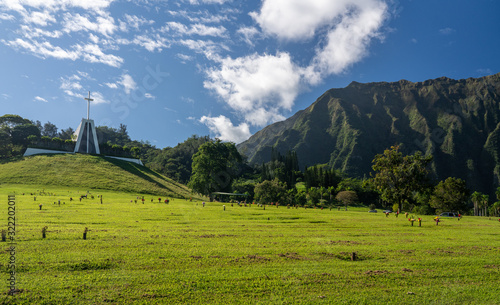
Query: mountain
x,y
457,121
89,172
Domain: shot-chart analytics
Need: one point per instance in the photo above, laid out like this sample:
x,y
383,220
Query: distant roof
x,y
230,194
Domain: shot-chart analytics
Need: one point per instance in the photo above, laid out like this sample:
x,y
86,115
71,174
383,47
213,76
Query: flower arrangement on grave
x,y
419,222
411,219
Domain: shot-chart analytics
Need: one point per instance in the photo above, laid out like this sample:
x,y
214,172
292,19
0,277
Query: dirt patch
x,y
252,258
375,272
292,255
492,266
343,242
215,236
406,270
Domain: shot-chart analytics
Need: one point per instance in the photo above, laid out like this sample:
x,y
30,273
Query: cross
x,y
88,118
88,106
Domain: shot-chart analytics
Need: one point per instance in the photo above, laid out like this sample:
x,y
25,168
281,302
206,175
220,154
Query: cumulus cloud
x,y
350,26
260,88
257,86
225,130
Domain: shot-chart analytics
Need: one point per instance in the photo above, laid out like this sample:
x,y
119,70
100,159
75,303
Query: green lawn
x,y
184,253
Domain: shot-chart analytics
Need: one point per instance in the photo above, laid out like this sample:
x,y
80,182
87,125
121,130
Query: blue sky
x,y
225,68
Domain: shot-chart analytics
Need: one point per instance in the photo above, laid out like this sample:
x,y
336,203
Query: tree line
x,y
398,182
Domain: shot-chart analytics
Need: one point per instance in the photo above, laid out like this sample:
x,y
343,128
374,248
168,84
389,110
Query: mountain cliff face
x,y
457,121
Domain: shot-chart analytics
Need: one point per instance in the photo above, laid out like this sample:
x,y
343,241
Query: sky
x,y
225,68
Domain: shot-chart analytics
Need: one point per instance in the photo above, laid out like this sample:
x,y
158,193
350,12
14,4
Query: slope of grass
x,y
89,172
187,253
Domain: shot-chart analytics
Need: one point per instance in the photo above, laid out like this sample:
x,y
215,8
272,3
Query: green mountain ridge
x,y
457,121
90,172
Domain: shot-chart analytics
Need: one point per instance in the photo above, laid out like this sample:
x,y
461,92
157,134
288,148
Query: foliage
x,y
321,175
270,191
476,198
214,167
398,177
347,197
346,127
14,134
285,168
450,195
176,162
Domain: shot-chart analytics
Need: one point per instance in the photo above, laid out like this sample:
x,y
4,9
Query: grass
x,y
89,172
184,253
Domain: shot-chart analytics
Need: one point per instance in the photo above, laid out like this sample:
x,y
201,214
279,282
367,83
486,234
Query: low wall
x,y
38,151
136,161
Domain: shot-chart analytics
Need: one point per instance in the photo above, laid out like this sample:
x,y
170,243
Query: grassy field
x,y
187,253
89,172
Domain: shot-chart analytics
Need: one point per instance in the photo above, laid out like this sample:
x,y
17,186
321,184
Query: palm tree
x,y
476,199
485,200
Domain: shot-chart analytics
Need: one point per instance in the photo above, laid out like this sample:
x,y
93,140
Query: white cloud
x,y
350,25
446,31
32,32
112,85
132,21
128,83
248,34
91,52
348,42
208,48
4,16
195,29
40,18
207,1
200,16
225,130
75,22
43,49
40,99
257,87
149,96
184,58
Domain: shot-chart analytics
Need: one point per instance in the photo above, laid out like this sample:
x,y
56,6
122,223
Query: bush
x,y
372,206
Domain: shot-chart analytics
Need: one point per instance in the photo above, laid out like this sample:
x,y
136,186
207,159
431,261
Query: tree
x,y
314,195
214,167
484,204
476,198
270,191
347,197
66,134
450,195
301,197
243,186
398,177
49,130
20,133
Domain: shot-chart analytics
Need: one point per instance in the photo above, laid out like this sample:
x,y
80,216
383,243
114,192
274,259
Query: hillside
x,y
89,172
457,121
